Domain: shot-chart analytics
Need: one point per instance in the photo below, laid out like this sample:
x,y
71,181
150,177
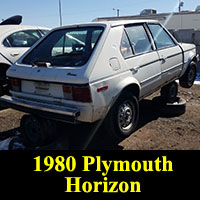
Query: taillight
x,y
15,84
81,94
77,93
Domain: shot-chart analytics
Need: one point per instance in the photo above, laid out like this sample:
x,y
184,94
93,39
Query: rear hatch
x,y
56,67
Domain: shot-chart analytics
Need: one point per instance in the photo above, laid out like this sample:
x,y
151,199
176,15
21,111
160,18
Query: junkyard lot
x,y
154,132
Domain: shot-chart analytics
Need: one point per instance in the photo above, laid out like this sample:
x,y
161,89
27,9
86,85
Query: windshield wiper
x,y
41,64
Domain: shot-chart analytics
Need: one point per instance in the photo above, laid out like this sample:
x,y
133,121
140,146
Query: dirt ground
x,y
175,133
154,132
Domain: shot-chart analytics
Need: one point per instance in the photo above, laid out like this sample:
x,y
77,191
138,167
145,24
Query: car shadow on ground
x,y
86,136
148,113
150,110
2,108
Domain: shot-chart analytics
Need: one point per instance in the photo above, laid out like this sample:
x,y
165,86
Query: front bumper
x,y
56,112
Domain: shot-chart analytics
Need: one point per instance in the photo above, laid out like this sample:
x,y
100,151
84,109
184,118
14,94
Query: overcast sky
x,y
46,13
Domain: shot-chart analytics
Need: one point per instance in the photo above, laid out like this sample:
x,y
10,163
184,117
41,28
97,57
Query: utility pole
x,y
181,3
117,11
60,12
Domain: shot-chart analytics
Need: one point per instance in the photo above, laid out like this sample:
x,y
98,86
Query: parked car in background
x,y
15,40
82,73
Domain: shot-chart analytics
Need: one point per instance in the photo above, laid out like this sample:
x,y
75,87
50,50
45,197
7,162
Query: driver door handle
x,y
135,69
163,59
14,54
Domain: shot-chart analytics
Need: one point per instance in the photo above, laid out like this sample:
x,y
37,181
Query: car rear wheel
x,y
187,80
123,117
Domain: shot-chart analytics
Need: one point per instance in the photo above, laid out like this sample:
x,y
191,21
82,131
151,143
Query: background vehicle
x,y
84,73
15,40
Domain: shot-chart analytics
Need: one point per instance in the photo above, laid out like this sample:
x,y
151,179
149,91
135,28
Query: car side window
x,y
139,39
161,37
22,39
125,46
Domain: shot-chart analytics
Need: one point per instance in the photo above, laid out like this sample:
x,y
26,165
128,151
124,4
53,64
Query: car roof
x,y
107,23
8,28
126,22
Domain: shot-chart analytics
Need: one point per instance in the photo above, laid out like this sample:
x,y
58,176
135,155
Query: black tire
x,y
37,131
122,119
177,108
187,80
169,92
49,128
1,90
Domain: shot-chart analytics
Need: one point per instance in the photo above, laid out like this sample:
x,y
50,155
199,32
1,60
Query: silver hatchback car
x,y
82,73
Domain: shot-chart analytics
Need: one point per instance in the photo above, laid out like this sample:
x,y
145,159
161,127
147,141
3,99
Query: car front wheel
x,y
187,80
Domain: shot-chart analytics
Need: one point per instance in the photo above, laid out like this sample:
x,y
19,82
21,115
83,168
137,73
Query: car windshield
x,y
66,47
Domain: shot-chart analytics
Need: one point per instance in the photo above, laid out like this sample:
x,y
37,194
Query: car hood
x,y
186,46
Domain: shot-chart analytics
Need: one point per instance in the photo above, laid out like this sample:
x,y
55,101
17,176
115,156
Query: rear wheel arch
x,y
127,85
132,88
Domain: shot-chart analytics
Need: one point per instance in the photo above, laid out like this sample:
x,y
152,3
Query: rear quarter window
x,y
125,46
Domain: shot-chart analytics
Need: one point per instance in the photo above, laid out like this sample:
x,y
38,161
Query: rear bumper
x,y
56,112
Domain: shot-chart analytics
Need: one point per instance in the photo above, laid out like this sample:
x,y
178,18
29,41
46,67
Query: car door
x,y
169,52
141,57
17,43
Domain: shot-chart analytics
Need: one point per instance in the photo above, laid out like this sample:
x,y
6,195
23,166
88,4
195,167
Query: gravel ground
x,y
154,132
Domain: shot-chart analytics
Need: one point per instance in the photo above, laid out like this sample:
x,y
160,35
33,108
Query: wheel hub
x,y
191,76
125,116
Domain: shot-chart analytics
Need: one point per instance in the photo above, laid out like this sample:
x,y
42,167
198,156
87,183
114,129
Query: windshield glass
x,y
67,47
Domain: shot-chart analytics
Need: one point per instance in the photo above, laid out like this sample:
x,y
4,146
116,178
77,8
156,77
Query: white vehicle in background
x,y
82,73
15,40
